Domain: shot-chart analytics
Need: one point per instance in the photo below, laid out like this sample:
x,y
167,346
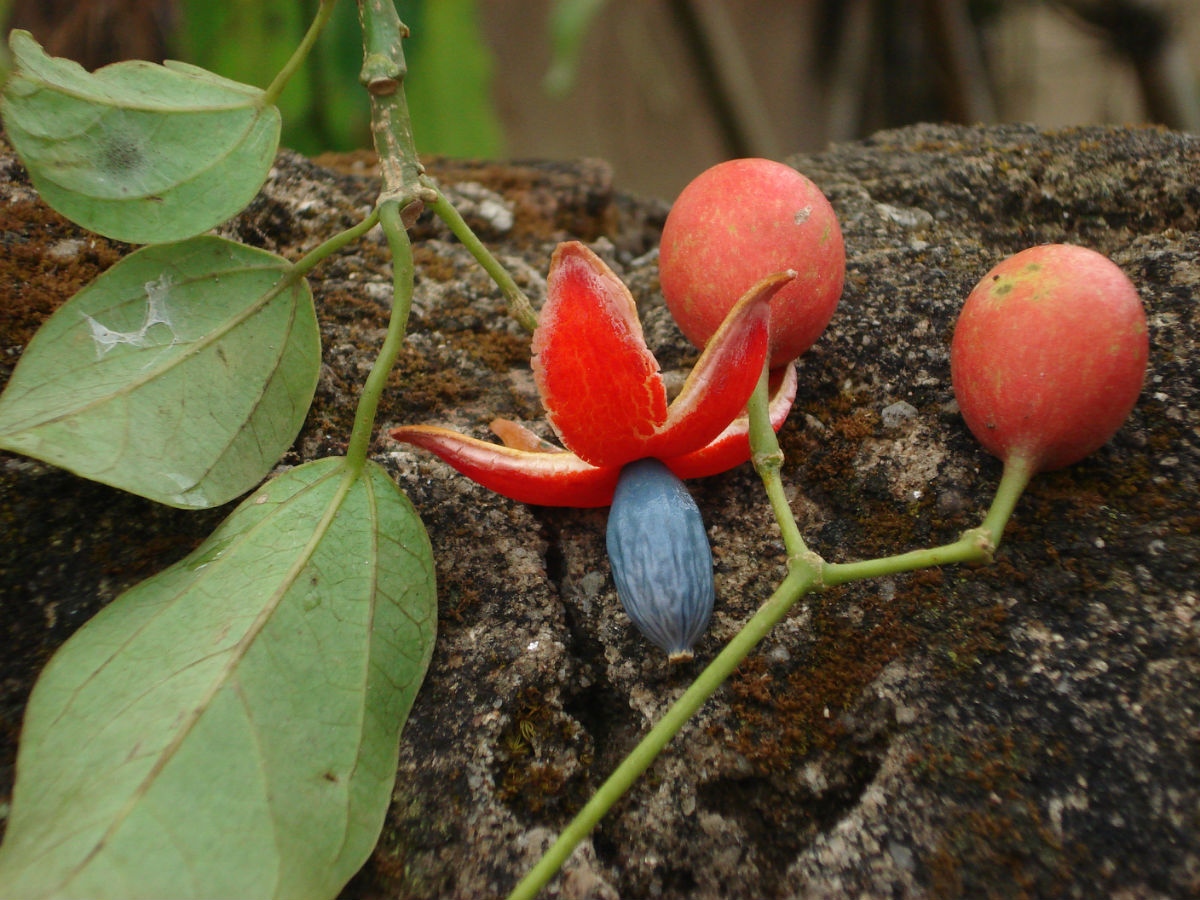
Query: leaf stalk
x,y
310,260
280,81
391,220
518,304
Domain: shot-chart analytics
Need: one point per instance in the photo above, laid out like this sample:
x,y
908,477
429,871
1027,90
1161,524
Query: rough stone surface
x,y
1027,728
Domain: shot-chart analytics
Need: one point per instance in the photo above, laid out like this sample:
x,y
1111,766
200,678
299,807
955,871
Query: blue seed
x,y
660,557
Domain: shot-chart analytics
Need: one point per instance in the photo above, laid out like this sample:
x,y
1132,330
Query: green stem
x,y
1013,481
402,292
975,545
806,570
768,460
794,586
971,547
519,306
271,94
309,261
400,200
383,74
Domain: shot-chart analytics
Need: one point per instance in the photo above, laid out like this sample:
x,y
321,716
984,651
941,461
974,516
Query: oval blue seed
x,y
661,560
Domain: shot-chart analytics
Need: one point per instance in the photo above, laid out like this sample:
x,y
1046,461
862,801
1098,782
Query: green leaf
x,y
180,374
230,727
137,151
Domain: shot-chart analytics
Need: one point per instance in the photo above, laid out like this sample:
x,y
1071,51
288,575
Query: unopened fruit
x,y
737,223
1049,354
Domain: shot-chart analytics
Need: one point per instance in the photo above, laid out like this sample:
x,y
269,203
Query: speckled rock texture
x,y
1026,728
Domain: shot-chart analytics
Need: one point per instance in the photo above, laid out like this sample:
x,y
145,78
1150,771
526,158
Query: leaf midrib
x,y
236,655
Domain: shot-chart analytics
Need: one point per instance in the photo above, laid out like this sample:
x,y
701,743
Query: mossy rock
x,y
1024,728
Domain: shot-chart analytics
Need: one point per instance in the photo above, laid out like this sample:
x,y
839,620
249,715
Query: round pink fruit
x,y
737,223
1049,355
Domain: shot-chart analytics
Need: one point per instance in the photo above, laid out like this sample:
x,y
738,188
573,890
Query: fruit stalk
x,y
767,457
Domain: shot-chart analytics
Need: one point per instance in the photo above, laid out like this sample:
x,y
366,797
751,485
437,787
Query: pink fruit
x,y
737,223
1049,355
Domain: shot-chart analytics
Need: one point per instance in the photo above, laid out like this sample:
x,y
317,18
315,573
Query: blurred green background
x,y
323,107
249,41
664,88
